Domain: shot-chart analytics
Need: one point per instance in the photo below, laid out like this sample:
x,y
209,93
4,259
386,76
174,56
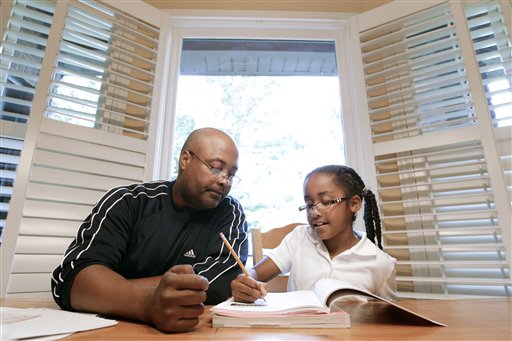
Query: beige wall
x,y
347,6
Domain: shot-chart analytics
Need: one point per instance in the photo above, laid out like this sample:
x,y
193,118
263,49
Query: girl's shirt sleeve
x,y
388,283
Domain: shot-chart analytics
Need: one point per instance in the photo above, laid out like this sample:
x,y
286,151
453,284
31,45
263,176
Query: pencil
x,y
235,256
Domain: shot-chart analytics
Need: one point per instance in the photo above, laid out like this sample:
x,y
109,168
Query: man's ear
x,y
185,158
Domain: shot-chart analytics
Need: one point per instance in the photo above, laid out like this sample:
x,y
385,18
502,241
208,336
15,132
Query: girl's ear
x,y
355,203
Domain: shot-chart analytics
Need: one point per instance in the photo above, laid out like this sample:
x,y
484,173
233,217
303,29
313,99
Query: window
x,y
280,102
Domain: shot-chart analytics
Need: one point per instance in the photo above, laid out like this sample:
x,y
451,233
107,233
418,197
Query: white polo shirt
x,y
304,255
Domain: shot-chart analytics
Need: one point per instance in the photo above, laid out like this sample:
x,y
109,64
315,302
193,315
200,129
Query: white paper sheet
x,y
46,324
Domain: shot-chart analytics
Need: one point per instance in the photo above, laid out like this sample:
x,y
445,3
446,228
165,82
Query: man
x,y
152,251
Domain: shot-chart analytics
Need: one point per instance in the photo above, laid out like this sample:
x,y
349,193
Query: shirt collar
x,y
362,248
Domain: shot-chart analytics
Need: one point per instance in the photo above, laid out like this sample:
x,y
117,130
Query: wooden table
x,y
485,319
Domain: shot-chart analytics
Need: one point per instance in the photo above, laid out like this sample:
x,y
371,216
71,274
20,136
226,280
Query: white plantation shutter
x,y
87,130
22,51
113,57
440,141
491,43
490,34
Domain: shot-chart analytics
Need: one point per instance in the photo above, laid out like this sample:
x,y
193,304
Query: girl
x,y
328,247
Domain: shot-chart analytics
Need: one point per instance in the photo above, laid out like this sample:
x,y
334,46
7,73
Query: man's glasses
x,y
232,179
322,205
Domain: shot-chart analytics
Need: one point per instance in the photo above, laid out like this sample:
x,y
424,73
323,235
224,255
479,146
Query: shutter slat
x,y
479,281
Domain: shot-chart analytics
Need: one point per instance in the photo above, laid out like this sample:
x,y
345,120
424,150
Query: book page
x,y
333,292
279,303
329,290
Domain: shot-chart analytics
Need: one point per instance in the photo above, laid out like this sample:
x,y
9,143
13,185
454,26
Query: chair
x,y
269,240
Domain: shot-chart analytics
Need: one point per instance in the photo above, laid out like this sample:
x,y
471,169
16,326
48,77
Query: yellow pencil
x,y
233,253
235,256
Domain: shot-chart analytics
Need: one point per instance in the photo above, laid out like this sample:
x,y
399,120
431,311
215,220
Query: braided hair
x,y
352,183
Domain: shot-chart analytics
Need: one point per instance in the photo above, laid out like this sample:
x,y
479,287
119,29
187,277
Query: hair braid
x,y
373,223
371,213
368,219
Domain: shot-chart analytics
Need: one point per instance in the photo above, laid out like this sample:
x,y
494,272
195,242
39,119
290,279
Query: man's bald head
x,y
202,136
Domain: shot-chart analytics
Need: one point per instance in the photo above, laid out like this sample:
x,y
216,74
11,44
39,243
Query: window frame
x,y
259,25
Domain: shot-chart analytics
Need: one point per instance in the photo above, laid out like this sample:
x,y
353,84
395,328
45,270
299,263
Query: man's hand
x,y
246,289
177,302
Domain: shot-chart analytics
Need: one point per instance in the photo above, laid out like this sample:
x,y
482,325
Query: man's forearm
x,y
98,289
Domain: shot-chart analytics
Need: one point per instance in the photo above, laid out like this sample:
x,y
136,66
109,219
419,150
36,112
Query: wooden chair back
x,y
269,240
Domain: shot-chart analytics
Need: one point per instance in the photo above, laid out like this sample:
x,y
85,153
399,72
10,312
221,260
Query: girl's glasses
x,y
322,205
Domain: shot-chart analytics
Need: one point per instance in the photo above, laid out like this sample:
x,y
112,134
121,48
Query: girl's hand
x,y
246,289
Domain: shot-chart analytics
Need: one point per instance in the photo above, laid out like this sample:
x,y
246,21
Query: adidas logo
x,y
190,254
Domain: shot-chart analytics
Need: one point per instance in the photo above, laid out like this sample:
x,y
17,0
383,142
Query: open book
x,y
323,307
336,293
294,309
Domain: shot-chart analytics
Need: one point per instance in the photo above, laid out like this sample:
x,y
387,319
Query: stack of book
x,y
295,309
